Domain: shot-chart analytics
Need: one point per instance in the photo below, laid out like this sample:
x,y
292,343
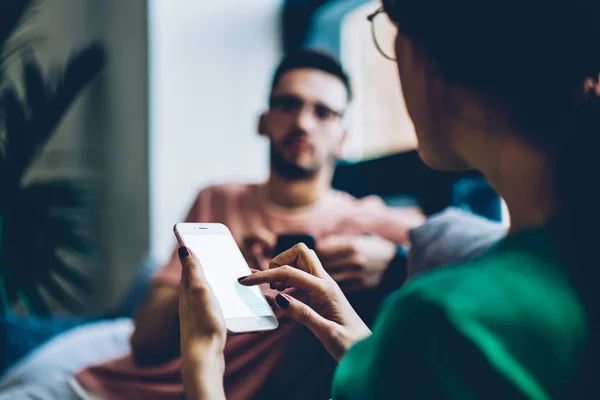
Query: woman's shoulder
x,y
529,257
522,273
497,319
514,306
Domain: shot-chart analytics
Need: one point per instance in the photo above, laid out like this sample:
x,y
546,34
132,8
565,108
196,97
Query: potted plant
x,y
40,222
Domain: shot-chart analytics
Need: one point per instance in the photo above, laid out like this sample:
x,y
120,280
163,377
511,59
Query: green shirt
x,y
507,325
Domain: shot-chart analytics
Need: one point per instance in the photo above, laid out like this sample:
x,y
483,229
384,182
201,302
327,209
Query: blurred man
x,y
356,239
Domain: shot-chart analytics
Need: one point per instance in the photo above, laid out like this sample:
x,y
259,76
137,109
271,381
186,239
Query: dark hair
x,y
313,59
531,57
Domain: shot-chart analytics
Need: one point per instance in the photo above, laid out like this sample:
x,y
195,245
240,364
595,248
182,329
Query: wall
x,y
380,122
211,63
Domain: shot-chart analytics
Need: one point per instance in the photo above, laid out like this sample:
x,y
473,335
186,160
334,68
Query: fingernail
x,y
282,301
183,252
241,279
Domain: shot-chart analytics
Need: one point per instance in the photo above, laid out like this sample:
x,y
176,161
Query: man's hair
x,y
312,59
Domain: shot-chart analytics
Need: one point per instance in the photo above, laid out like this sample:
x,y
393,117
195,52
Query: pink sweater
x,y
263,365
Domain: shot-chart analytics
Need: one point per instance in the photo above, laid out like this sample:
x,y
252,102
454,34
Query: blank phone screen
x,y
223,263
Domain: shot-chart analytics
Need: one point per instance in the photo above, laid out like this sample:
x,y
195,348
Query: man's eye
x,y
324,113
287,105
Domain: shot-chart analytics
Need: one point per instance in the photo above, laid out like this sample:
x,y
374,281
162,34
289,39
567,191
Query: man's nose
x,y
305,120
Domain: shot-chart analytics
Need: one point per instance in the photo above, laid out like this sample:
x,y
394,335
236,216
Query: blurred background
x,y
166,100
210,69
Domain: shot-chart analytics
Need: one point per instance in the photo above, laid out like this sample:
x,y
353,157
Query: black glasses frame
x,y
371,19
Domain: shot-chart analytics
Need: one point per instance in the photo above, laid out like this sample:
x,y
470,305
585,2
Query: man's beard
x,y
288,170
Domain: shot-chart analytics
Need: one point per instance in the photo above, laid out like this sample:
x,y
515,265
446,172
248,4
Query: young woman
x,y
509,88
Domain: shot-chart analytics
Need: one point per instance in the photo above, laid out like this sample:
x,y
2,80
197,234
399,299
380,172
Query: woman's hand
x,y
330,316
203,333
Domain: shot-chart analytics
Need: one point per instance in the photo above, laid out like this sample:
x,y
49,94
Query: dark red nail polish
x,y
183,252
241,279
282,301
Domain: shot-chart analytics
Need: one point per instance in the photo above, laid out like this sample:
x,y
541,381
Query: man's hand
x,y
356,262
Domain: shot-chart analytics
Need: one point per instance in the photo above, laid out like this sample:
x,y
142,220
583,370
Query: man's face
x,y
304,122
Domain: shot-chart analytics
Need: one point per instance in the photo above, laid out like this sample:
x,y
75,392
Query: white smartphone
x,y
245,308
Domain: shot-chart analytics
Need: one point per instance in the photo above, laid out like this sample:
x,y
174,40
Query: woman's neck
x,y
522,176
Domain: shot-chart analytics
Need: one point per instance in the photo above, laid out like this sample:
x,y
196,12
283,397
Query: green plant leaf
x,y
12,15
40,221
62,295
13,12
35,89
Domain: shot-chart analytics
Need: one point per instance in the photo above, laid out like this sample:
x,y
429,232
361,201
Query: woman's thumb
x,y
303,314
191,271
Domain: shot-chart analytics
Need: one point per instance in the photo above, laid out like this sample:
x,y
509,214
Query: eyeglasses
x,y
290,104
383,35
